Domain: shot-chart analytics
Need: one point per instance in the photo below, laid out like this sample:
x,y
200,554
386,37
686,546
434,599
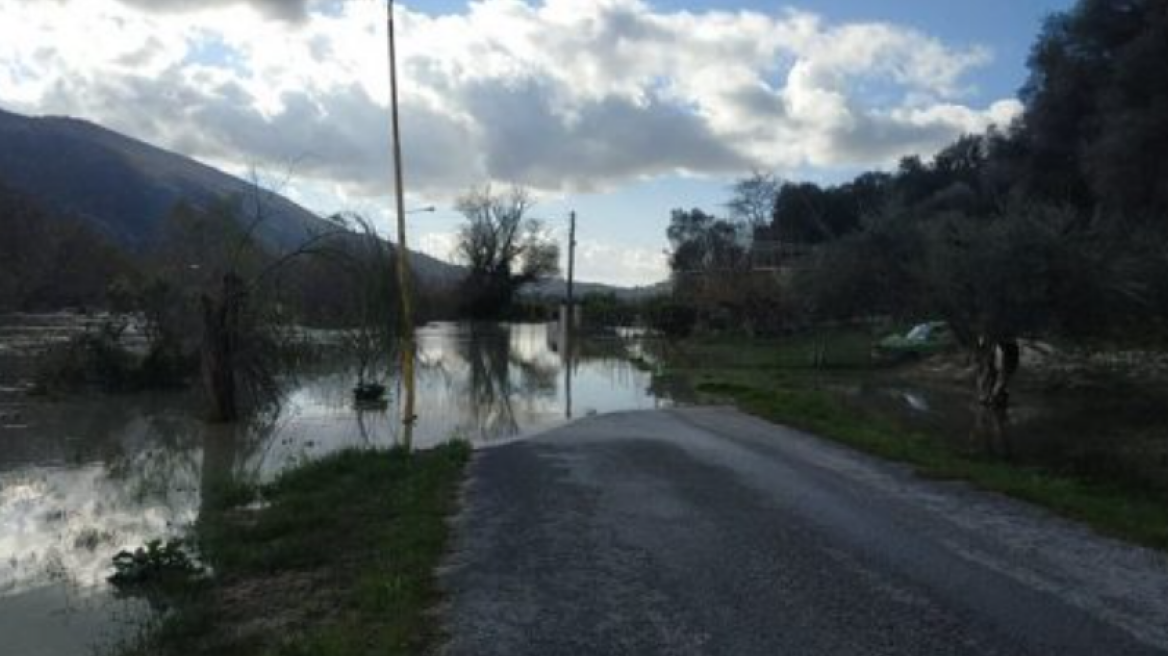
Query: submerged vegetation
x,y
336,557
210,302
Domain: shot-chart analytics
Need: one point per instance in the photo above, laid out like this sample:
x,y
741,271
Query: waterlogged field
x,y
82,477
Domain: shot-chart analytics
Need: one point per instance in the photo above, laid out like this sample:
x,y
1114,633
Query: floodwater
x,y
84,477
1110,435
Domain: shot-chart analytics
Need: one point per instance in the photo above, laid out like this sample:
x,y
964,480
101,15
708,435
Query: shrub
x,y
157,563
674,320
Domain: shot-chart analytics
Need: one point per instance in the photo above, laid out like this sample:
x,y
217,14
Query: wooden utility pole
x,y
405,291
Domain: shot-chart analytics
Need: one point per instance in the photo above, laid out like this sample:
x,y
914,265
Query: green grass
x,y
339,560
842,348
771,381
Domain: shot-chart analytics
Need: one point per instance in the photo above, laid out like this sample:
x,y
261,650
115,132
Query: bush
x,y
673,319
98,359
92,359
158,563
166,366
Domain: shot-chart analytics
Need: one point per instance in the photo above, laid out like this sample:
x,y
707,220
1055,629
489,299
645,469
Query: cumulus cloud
x,y
290,10
618,265
561,95
293,10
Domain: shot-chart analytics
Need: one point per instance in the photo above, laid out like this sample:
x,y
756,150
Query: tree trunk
x,y
997,362
220,339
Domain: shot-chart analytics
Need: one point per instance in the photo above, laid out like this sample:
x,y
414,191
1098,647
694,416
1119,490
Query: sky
x,y
620,110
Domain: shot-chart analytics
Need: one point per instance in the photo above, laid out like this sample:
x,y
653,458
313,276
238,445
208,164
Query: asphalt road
x,y
704,531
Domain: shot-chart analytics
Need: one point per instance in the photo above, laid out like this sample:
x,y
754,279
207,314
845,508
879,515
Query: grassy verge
x,y
772,382
338,560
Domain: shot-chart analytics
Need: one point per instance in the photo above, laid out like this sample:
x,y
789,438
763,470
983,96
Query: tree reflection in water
x,y
89,476
499,374
990,435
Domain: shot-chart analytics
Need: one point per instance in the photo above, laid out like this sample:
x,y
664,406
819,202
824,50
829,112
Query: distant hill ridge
x,y
124,188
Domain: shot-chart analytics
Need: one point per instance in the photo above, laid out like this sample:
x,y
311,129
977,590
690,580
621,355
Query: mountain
x,y
123,188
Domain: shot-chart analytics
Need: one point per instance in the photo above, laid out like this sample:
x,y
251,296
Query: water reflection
x,y
500,372
1115,434
83,478
990,436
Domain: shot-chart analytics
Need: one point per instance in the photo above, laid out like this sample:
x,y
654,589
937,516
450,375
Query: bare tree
x,y
753,199
242,342
502,247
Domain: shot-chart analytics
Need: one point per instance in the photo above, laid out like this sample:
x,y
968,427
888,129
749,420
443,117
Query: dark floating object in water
x,y
366,393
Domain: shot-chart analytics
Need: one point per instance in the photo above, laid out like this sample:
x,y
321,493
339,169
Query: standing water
x,y
83,478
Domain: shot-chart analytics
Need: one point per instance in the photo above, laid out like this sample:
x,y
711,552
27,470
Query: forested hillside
x,y
48,261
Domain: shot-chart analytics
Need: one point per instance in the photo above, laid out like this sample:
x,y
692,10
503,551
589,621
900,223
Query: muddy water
x,y
82,478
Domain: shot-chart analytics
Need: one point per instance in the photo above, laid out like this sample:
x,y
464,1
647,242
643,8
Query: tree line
x,y
1052,227
213,301
217,303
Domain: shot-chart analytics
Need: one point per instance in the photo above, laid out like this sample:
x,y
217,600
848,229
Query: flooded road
x,y
82,478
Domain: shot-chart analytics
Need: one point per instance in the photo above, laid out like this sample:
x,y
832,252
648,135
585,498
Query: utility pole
x,y
406,339
569,316
571,266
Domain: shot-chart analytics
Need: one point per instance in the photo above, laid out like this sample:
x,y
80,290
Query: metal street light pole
x,y
406,341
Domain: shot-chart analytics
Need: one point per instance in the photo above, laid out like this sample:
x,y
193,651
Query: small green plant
x,y
157,562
